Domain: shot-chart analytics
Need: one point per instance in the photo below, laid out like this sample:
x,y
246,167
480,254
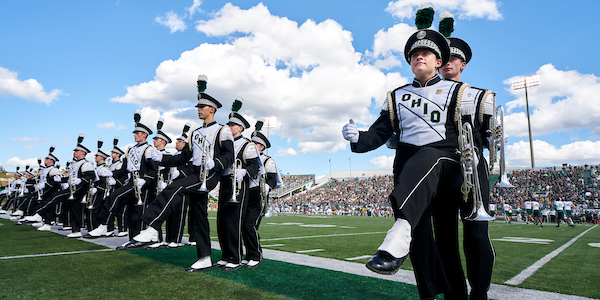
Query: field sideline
x,y
543,263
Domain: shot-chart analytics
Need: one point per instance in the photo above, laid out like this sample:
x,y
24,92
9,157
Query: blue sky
x,y
72,67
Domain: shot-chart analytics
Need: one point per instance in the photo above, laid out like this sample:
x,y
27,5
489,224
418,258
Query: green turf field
x,y
159,273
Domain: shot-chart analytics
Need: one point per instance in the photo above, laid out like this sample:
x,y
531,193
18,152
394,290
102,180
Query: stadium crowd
x,y
368,196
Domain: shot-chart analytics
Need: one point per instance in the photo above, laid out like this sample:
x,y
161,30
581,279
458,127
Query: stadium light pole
x,y
269,122
524,83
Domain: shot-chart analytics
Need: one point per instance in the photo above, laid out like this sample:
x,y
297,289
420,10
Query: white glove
x,y
40,186
140,183
94,190
163,185
64,186
57,178
239,175
209,164
350,132
112,181
104,172
156,155
174,173
76,181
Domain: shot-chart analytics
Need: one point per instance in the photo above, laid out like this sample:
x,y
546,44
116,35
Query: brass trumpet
x,y
136,189
499,134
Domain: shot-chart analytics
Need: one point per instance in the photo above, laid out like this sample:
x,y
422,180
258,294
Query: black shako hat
x,y
428,39
460,48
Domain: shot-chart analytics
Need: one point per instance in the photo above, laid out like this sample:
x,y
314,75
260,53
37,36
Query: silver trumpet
x,y
235,186
89,197
205,147
136,189
499,135
470,186
71,187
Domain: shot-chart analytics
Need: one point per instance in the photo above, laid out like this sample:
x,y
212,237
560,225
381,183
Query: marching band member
x,y
233,193
258,196
211,149
50,180
98,192
119,178
140,188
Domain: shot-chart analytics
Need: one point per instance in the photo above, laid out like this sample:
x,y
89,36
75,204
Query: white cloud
x,y
30,89
287,152
307,75
173,21
564,100
545,154
28,140
194,8
464,9
23,140
385,162
19,162
107,125
389,42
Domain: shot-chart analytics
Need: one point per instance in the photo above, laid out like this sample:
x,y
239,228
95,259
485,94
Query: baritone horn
x,y
236,187
470,187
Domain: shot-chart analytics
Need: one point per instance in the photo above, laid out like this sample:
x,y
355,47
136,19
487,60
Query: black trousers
x,y
47,207
165,203
176,222
229,220
251,217
125,196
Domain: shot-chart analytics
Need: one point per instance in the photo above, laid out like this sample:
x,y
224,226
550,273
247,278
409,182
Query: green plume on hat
x,y
137,116
18,168
80,138
186,127
160,123
26,168
201,83
52,148
115,141
446,23
424,16
259,125
237,104
100,143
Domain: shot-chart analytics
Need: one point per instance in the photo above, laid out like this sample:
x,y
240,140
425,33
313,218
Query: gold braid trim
x,y
459,95
482,106
392,110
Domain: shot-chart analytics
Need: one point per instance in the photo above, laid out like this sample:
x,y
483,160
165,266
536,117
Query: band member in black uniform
x,y
160,142
140,188
99,190
258,197
426,164
175,224
13,199
25,196
233,194
211,149
119,178
50,180
81,175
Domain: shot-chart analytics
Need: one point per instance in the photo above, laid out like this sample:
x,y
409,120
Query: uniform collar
x,y
431,81
210,124
142,144
238,137
102,164
78,159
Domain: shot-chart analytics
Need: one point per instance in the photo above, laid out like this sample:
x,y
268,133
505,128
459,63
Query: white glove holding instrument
x,y
156,155
350,132
239,175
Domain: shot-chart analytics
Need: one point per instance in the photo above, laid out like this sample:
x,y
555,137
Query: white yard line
x,y
319,236
540,263
309,251
53,254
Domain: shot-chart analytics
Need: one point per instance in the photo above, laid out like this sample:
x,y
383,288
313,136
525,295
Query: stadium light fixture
x,y
269,122
524,83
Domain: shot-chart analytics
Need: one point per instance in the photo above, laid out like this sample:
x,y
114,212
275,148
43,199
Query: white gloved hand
x,y
209,164
64,186
163,185
239,175
76,181
174,173
40,186
156,155
112,181
57,178
94,191
104,172
350,132
140,183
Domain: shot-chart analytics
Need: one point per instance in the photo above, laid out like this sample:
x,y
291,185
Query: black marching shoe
x,y
384,263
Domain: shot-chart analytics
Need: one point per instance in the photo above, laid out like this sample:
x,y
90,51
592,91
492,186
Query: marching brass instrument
x,y
89,197
235,186
205,147
498,136
137,189
470,186
264,194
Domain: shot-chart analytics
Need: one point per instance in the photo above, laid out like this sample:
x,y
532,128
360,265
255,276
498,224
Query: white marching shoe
x,y
252,264
74,235
45,227
18,213
34,218
201,264
157,245
37,224
2,211
147,235
98,232
122,234
174,245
